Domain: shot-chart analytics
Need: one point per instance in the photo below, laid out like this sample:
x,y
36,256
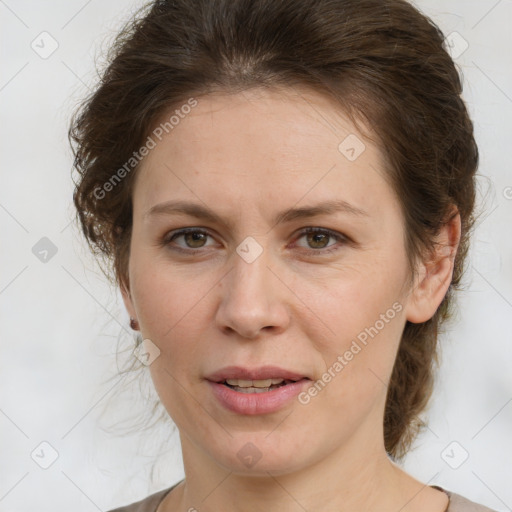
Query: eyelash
x,y
169,237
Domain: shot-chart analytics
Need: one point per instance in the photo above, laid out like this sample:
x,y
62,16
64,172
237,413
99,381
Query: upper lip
x,y
261,373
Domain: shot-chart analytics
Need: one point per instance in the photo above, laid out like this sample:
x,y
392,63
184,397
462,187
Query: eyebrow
x,y
202,212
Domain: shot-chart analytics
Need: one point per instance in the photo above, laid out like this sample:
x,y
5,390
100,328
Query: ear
x,y
435,274
127,298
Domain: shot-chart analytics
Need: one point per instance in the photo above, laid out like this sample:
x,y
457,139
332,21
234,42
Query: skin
x,y
247,156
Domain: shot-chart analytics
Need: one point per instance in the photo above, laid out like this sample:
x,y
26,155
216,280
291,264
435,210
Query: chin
x,y
258,456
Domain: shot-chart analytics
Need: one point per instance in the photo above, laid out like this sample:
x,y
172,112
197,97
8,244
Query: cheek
x,y
167,297
173,311
348,304
358,359
357,333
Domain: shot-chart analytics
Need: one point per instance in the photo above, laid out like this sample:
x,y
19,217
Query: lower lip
x,y
257,403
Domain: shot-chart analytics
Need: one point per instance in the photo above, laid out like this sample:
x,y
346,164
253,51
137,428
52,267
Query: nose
x,y
253,299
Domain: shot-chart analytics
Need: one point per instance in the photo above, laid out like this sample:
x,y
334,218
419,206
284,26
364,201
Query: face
x,y
317,292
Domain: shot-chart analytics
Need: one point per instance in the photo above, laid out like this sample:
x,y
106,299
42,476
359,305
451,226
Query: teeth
x,y
253,383
252,390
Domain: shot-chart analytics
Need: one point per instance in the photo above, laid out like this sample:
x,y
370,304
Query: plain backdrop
x,y
61,321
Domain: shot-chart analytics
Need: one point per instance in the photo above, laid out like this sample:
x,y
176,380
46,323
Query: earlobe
x,y
435,274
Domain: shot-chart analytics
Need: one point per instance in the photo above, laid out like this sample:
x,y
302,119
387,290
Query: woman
x,y
285,190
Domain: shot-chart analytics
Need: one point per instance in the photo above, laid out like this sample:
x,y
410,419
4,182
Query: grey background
x,y
60,321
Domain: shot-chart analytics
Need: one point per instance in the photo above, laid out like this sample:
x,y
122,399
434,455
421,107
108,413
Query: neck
x,y
345,480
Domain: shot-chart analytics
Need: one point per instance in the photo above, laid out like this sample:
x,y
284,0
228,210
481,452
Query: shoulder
x,y
459,503
148,504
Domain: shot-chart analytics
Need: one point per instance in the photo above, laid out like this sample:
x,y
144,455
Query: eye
x,y
318,240
193,238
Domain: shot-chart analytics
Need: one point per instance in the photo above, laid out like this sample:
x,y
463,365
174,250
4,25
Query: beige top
x,y
457,502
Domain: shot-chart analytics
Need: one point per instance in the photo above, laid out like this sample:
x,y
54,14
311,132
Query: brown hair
x,y
382,61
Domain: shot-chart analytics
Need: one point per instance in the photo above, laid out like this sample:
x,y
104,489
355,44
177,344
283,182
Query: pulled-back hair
x,y
382,61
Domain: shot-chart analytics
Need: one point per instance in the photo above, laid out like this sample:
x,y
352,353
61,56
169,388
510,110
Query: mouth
x,y
261,378
256,386
262,390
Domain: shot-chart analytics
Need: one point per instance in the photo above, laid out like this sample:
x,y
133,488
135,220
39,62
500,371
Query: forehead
x,y
261,146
